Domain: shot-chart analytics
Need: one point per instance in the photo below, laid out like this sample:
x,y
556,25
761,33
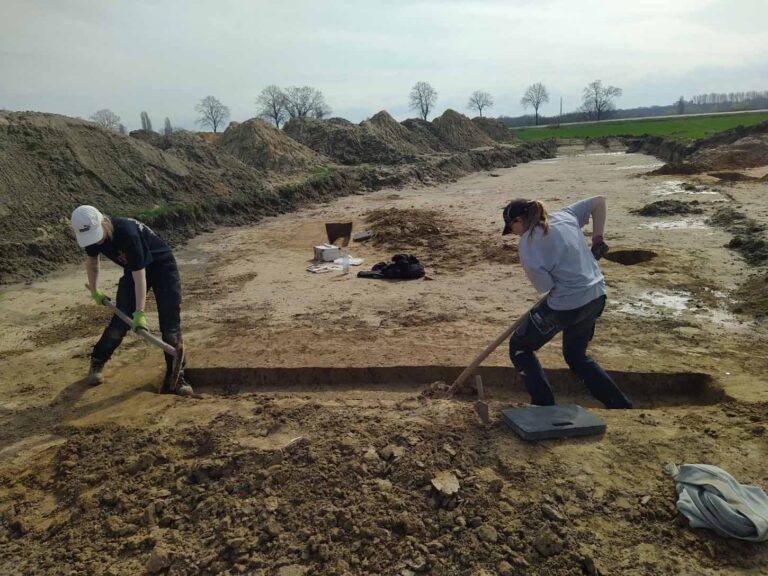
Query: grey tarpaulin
x,y
711,498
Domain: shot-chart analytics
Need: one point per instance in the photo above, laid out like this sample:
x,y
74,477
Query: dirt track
x,y
325,471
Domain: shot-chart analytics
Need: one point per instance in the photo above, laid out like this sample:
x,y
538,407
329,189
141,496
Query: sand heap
x,y
736,149
748,152
425,133
50,164
669,208
263,146
459,133
386,128
375,142
495,129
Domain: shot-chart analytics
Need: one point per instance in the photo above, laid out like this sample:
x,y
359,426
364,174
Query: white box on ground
x,y
327,252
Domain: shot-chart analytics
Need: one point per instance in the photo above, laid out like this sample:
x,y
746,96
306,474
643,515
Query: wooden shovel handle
x,y
149,338
468,371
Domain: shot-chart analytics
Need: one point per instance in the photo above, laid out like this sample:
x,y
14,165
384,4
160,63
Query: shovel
x,y
481,406
469,370
177,353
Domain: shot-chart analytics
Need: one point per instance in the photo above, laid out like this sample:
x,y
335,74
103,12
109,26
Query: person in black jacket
x,y
148,264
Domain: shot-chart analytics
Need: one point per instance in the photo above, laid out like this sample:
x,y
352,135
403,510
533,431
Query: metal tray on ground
x,y
559,421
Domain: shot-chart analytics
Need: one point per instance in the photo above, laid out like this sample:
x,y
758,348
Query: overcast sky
x,y
74,57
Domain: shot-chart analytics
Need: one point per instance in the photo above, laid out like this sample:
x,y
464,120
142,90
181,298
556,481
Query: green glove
x,y
99,297
139,320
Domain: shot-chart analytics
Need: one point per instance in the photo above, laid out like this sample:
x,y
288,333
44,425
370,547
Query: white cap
x,y
86,222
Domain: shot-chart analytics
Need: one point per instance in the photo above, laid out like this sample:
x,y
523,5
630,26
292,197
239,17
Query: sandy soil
x,y
290,464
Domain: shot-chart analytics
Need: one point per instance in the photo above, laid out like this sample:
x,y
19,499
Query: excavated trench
x,y
630,257
501,383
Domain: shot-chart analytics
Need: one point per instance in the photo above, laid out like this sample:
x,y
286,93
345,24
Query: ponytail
x,y
537,216
109,228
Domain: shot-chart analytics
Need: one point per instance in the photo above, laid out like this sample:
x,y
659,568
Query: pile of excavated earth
x,y
183,184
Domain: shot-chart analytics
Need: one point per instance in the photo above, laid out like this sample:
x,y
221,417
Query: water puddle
x,y
640,166
685,223
669,187
676,304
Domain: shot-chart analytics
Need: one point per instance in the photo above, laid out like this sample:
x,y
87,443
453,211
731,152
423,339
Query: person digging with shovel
x,y
148,264
558,262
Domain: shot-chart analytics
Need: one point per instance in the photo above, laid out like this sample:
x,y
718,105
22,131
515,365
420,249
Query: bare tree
x,y
167,129
598,99
303,101
146,123
121,128
480,100
535,96
272,105
107,119
212,113
681,105
423,98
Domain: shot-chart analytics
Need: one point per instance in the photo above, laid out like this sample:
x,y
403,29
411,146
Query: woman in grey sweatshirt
x,y
558,262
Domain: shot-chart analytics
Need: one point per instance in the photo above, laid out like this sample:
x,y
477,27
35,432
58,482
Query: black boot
x,y
182,386
95,376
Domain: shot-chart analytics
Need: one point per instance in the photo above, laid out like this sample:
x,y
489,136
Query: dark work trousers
x,y
162,279
540,325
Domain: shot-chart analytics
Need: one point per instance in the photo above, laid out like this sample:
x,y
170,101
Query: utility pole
x,y
560,118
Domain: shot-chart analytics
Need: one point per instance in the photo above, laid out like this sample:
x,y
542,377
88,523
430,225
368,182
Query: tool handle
x,y
479,387
154,340
485,353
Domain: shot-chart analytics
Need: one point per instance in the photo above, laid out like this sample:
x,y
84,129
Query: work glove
x,y
139,321
599,248
99,297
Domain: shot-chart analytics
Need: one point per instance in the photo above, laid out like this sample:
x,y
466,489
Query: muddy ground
x,y
312,448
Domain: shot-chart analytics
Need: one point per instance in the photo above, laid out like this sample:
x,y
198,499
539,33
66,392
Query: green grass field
x,y
670,127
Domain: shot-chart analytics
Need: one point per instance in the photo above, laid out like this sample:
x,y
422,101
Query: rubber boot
x,y
95,376
183,387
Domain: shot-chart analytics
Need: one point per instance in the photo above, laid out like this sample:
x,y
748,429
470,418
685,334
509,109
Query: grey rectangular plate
x,y
559,421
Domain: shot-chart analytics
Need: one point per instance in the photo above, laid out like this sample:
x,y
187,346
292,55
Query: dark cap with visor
x,y
514,209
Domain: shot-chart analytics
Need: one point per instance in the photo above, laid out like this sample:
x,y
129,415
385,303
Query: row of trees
x,y
277,105
597,100
212,113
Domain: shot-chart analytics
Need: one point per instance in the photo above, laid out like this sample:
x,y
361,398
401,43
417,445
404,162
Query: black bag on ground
x,y
402,267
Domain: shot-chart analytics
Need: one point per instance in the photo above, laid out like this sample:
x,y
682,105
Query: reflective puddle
x,y
669,187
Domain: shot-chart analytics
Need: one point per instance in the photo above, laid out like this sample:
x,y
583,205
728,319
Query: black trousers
x,y
540,325
164,281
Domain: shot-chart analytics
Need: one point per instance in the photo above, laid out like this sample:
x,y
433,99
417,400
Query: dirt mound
x,y
439,243
398,229
669,208
263,146
192,147
748,237
733,177
49,164
494,128
748,152
389,130
425,134
459,133
740,147
752,297
345,143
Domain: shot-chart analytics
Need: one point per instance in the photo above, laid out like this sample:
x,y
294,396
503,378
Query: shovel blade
x,y
482,411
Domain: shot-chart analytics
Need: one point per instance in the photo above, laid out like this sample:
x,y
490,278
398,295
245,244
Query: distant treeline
x,y
700,104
